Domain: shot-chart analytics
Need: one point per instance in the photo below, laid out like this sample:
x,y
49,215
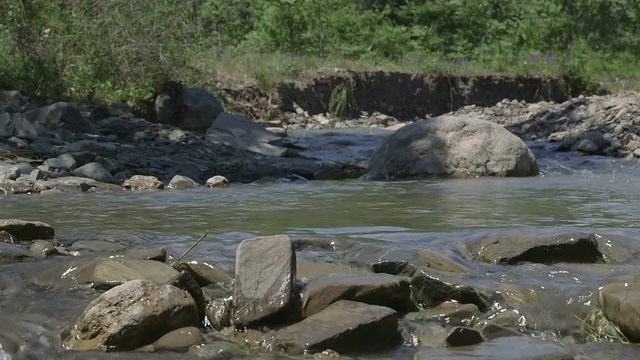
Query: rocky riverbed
x,y
286,295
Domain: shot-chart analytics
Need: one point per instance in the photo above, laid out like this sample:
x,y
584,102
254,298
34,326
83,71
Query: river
x,y
573,193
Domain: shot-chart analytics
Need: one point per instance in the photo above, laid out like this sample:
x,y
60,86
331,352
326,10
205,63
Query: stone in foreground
x,y
265,271
344,326
379,289
620,303
27,230
131,315
451,146
118,270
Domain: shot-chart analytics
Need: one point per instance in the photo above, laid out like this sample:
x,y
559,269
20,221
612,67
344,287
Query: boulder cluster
x,y
372,299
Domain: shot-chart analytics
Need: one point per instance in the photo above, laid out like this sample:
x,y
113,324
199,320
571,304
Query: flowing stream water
x,y
574,193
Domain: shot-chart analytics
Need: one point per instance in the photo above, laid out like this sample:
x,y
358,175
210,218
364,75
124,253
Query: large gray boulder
x,y
240,132
131,315
188,108
265,271
451,146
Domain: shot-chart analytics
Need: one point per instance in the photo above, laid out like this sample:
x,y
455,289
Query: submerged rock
x,y
565,248
265,274
131,315
118,270
430,291
343,326
379,289
180,182
27,230
463,336
451,146
179,340
143,182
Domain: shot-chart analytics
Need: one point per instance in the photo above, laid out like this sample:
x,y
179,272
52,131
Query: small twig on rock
x,y
174,263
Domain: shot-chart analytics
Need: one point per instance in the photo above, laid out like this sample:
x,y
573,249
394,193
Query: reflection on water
x,y
597,194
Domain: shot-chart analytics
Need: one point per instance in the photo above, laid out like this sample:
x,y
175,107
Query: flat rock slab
x,y
131,315
344,326
27,230
265,271
121,270
376,289
581,248
620,303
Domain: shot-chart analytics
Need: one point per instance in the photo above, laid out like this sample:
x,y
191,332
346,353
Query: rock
x,y
188,108
179,340
430,291
16,253
27,230
344,326
156,254
185,281
265,271
179,182
620,303
131,315
9,173
206,274
240,132
13,187
219,312
95,171
506,348
380,289
492,331
563,248
64,162
61,115
463,336
117,270
451,146
310,270
450,313
143,182
43,247
219,350
429,334
218,181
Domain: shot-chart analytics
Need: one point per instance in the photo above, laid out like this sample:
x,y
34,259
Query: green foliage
x,y
121,49
341,102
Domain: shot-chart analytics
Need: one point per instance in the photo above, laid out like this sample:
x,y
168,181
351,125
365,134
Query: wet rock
x,y
620,303
143,182
265,271
27,230
179,340
379,289
463,336
218,181
131,315
337,171
97,246
219,350
95,171
423,333
506,348
5,237
12,187
492,331
240,132
64,162
43,247
157,254
179,182
309,270
219,312
451,146
343,326
206,274
117,270
9,173
11,252
431,291
564,248
186,282
451,313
